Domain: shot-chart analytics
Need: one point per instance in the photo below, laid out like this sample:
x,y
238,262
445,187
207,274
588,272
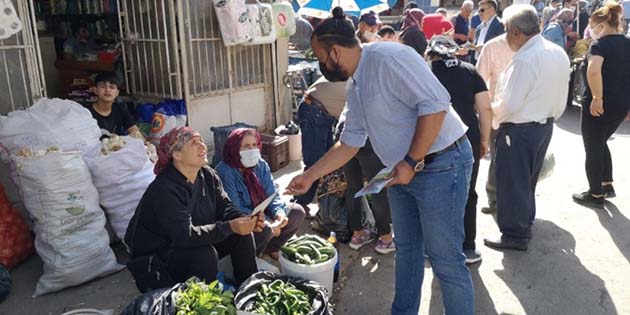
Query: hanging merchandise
x,y
69,223
167,115
263,29
284,18
9,21
121,172
233,21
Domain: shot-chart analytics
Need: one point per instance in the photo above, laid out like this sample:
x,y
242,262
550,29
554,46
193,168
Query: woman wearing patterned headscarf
x,y
559,27
248,182
412,34
185,221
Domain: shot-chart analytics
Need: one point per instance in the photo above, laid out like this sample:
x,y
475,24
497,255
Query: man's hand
x,y
282,220
485,148
246,225
461,37
299,185
401,174
597,107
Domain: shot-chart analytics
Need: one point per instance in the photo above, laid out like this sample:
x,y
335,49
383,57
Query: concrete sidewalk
x,y
578,261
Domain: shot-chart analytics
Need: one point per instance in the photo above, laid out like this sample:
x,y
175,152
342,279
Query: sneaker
x,y
609,191
472,256
586,198
384,248
358,241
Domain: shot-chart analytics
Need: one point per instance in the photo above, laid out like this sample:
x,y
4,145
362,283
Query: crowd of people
x,y
428,100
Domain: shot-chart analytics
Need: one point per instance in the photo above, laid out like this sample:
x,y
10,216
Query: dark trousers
x,y
202,262
317,138
265,240
363,167
470,216
491,186
520,152
595,133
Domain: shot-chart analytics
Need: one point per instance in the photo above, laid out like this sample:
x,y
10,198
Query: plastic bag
x,y
263,28
16,242
332,214
158,302
121,178
246,295
9,21
49,122
69,224
5,283
284,18
234,21
168,115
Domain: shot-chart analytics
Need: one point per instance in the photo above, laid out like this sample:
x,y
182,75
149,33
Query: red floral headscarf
x,y
232,157
173,141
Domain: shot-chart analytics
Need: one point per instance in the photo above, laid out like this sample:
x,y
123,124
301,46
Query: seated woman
x,y
248,182
185,221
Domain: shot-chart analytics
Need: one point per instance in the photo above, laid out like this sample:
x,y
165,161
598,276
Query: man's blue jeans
x,y
428,216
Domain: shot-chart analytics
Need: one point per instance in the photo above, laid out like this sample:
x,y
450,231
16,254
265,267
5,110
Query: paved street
x,y
578,261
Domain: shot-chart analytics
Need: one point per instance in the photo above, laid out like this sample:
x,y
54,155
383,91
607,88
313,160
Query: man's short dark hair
x,y
386,30
107,77
491,3
336,30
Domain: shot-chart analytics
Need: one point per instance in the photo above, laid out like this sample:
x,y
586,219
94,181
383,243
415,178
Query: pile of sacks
x,y
57,160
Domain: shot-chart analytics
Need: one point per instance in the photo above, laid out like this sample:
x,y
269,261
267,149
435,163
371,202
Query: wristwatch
x,y
417,166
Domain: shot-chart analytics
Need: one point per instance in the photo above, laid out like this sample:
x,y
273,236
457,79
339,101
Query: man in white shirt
x,y
530,94
495,56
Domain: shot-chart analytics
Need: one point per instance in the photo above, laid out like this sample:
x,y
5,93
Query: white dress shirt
x,y
495,56
534,86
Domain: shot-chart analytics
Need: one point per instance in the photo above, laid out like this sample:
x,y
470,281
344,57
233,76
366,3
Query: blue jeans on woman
x,y
428,216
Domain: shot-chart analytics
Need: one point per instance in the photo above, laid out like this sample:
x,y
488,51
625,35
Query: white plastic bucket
x,y
322,273
295,147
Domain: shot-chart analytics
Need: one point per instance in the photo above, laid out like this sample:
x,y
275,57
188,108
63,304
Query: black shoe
x,y
586,198
488,210
505,243
609,191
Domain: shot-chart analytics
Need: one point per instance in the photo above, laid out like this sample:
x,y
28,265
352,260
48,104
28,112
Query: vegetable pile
x,y
16,242
308,250
282,298
201,299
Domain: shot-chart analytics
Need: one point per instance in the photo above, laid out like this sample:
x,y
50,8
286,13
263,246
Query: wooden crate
x,y
275,150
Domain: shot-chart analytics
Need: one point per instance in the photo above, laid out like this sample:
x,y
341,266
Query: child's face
x,y
106,91
390,37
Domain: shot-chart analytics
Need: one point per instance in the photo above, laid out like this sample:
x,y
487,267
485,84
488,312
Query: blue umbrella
x,y
323,8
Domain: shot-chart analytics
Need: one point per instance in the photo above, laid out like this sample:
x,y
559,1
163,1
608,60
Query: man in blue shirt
x,y
395,100
461,24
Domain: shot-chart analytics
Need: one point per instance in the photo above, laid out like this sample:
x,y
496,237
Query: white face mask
x,y
369,35
250,158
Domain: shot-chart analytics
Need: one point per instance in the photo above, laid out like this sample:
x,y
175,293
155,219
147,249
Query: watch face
x,y
419,166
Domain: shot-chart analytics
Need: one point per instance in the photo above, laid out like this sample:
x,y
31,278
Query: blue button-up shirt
x,y
391,87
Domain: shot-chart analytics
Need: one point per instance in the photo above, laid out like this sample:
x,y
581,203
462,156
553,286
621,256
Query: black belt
x,y
527,124
430,157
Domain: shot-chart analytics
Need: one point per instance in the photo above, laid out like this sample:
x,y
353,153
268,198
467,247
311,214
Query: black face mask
x,y
336,75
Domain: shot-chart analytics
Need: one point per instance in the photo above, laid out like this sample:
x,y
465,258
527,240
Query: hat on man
x,y
443,46
370,19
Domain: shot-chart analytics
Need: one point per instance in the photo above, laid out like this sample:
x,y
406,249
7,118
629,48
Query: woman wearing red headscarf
x,y
411,32
248,182
185,221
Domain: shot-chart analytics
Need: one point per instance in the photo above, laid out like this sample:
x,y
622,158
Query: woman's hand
x,y
282,220
597,107
485,148
247,225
